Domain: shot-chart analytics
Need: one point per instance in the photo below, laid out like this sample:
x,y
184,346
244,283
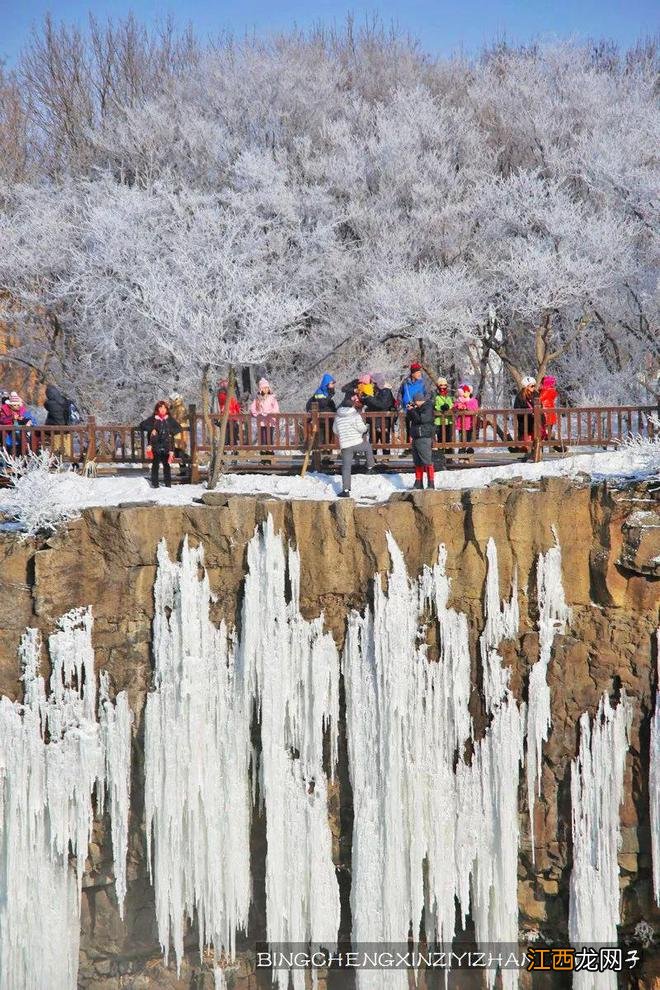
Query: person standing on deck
x,y
351,431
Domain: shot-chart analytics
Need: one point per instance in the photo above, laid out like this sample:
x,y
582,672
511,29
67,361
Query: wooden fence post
x,y
194,466
91,439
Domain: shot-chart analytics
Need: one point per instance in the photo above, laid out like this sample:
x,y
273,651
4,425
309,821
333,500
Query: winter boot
x,y
344,494
419,485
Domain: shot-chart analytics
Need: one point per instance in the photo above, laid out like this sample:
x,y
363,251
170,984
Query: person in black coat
x,y
525,400
382,401
161,430
57,406
421,426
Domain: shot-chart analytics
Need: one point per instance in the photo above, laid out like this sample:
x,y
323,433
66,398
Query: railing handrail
x,y
300,432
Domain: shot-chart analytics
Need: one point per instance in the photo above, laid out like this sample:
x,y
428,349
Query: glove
x,y
149,453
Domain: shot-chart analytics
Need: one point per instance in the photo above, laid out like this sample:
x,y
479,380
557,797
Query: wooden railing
x,y
287,435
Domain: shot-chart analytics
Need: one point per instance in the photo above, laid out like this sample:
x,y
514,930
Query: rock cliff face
x,y
610,552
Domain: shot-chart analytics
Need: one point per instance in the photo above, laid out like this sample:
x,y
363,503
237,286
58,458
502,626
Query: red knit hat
x,y
415,366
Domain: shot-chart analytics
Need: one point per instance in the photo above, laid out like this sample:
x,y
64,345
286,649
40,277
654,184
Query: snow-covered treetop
x,y
167,208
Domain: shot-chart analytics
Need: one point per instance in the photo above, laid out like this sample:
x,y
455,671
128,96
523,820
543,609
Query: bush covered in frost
x,y
43,492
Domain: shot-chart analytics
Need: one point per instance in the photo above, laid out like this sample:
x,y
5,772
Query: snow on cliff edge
x,y
68,492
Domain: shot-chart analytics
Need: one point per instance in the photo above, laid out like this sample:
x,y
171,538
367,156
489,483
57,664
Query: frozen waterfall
x,y
407,725
596,796
554,615
654,782
198,753
53,754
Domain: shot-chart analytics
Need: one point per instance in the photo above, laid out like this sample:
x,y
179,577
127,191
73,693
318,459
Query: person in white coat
x,y
351,431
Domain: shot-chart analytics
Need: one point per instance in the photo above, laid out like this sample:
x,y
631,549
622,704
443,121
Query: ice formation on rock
x,y
197,753
654,783
596,795
554,615
502,620
116,720
52,757
407,725
291,670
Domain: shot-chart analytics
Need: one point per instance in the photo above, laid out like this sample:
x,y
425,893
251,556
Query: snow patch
x,y
53,498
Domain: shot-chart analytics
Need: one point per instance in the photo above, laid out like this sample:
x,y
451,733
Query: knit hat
x,y
549,380
263,383
415,366
442,383
364,379
378,379
465,388
14,399
527,381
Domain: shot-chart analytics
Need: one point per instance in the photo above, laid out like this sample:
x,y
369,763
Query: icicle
x,y
554,615
116,720
46,808
406,719
596,796
654,783
487,833
291,667
502,620
197,750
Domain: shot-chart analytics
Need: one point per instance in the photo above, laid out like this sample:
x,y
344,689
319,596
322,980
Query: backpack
x,y
72,413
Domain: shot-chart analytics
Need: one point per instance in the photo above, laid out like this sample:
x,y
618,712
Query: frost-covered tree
x,y
334,198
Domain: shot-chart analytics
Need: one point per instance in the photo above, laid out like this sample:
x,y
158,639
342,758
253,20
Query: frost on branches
x,y
596,795
554,614
407,724
53,755
654,784
248,201
198,754
44,492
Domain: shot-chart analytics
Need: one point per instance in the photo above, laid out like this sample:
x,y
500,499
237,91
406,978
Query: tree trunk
x,y
217,465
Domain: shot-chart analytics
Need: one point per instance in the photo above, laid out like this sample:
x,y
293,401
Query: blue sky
x,y
441,25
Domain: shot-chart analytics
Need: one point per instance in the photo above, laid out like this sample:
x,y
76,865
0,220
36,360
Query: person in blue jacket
x,y
414,387
324,397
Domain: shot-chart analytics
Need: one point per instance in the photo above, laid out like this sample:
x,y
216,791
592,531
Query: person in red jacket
x,y
548,396
234,424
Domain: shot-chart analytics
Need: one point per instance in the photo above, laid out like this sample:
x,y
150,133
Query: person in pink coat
x,y
465,423
13,412
263,408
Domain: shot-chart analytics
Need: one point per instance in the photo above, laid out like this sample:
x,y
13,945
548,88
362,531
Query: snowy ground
x,y
75,492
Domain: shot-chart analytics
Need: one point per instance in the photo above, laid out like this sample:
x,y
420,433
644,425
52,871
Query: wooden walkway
x,y
497,436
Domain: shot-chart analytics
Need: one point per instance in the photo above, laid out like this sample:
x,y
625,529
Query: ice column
x,y
596,795
502,620
290,667
407,719
46,807
116,720
654,785
554,615
197,751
